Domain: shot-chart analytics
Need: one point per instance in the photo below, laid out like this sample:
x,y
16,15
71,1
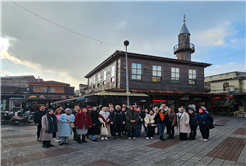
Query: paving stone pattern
x,y
19,147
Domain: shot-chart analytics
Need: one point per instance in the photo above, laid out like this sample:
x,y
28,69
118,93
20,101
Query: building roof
x,y
50,82
184,29
10,77
119,53
8,89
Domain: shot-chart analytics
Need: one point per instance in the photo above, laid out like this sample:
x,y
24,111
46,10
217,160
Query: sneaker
x,y
147,137
102,138
134,138
57,140
151,137
201,139
106,138
129,138
205,140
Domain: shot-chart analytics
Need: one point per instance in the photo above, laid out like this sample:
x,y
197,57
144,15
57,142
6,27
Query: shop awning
x,y
16,98
105,93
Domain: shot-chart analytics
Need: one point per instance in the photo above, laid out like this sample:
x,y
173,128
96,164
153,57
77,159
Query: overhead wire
x,y
72,31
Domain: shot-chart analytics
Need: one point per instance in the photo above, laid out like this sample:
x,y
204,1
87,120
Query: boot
x,y
162,138
78,139
83,139
169,137
49,144
45,144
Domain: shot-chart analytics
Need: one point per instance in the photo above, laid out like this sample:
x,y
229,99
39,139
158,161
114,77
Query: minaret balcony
x,y
189,47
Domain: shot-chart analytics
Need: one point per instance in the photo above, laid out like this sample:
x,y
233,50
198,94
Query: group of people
x,y
109,121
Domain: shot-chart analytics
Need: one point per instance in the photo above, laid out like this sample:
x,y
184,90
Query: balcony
x,y
184,47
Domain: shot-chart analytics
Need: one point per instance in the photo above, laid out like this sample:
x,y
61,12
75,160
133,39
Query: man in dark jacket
x,y
37,119
117,119
75,111
141,115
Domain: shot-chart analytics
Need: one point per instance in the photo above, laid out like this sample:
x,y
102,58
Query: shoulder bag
x,y
104,130
71,124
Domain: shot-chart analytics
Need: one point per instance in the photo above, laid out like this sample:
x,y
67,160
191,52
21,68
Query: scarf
x,y
52,121
162,116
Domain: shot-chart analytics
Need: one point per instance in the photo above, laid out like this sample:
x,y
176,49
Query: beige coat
x,y
185,119
148,119
45,126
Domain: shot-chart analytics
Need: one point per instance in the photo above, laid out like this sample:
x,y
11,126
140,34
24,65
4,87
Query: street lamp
x,y
126,43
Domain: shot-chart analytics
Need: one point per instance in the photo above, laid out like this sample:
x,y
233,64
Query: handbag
x,y
71,124
104,129
210,126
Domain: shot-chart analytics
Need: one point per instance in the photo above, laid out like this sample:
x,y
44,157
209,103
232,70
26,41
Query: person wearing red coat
x,y
82,123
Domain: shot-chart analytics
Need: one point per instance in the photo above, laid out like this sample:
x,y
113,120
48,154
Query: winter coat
x,y
81,119
172,118
120,114
194,119
185,119
159,120
94,130
64,127
129,126
103,117
204,118
150,119
38,116
141,117
44,136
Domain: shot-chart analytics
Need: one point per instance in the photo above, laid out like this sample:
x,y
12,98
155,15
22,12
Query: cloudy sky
x,y
33,46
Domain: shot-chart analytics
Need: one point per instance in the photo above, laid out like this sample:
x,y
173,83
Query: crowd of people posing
x,y
109,121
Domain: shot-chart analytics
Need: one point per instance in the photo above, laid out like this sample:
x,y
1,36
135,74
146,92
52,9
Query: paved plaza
x,y
226,147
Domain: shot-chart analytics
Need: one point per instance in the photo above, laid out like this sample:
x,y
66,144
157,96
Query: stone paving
x,y
226,146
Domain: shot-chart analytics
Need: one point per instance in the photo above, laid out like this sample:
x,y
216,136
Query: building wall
x,y
165,84
217,87
94,87
17,81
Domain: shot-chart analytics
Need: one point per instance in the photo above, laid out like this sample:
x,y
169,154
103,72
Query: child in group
x,y
150,124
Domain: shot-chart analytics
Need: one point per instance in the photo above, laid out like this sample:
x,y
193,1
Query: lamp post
x,y
126,43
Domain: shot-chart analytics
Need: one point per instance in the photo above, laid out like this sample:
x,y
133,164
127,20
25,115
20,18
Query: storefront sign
x,y
158,101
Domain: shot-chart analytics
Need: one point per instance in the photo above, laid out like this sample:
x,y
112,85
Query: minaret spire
x,y
184,18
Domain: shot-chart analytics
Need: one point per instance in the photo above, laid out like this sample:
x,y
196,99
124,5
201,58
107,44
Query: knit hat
x,y
49,110
89,106
68,109
192,109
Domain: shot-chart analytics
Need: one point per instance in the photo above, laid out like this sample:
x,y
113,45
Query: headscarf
x,y
69,110
52,122
89,106
203,110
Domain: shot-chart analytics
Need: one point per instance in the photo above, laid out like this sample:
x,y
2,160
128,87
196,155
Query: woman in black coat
x,y
193,123
95,129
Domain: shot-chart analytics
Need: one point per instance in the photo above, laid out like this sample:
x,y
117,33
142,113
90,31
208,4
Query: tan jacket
x,y
185,119
148,119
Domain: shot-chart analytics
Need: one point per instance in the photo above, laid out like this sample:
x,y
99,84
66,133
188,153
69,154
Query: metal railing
x,y
179,47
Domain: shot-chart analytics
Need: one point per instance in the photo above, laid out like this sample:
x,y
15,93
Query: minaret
x,y
184,49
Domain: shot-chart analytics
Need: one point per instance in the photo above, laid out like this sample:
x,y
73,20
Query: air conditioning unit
x,y
230,89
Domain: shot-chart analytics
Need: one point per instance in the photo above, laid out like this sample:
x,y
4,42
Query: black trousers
x,y
151,131
118,128
170,129
204,131
39,127
183,136
111,129
193,131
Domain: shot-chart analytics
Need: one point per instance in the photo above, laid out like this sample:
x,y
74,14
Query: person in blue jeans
x,y
161,120
141,116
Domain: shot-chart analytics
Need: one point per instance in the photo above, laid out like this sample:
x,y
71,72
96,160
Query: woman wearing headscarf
x,y
193,123
204,120
49,126
183,124
82,124
95,129
65,128
103,117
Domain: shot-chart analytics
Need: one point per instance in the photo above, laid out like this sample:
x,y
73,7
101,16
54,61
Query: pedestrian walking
x,y
75,111
95,129
193,123
58,113
49,126
150,123
161,121
131,125
37,119
82,124
104,118
171,122
117,119
205,120
183,120
65,128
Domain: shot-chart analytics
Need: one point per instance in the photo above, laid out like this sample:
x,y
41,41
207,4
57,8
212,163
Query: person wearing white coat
x,y
64,126
183,120
104,119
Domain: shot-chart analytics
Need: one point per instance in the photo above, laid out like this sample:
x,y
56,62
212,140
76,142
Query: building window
x,y
174,75
225,85
136,71
104,77
98,80
156,73
94,81
192,76
112,73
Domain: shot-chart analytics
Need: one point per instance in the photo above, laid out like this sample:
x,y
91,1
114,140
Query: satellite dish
x,y
228,89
